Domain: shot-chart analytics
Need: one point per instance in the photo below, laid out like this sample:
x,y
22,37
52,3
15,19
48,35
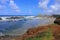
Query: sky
x,y
29,7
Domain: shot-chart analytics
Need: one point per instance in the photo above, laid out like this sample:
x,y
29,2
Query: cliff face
x,y
33,32
57,21
56,16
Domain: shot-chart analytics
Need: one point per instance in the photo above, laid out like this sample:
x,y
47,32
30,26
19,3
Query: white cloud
x,y
13,6
54,8
57,1
5,3
43,3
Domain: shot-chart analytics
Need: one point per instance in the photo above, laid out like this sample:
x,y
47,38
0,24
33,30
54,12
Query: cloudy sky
x,y
29,7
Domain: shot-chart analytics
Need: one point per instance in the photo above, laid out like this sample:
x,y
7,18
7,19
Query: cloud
x,y
13,6
43,3
57,1
56,7
9,3
3,4
52,9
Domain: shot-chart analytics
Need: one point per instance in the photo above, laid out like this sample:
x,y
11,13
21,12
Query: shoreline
x,y
32,32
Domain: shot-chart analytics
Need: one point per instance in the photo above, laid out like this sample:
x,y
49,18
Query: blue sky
x,y
29,7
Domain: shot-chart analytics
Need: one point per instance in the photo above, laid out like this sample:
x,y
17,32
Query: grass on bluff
x,y
43,36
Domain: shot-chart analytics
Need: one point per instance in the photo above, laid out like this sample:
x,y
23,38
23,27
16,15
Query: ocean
x,y
21,26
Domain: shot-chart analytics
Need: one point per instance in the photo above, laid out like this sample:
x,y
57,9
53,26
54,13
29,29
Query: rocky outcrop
x,y
0,18
35,31
57,21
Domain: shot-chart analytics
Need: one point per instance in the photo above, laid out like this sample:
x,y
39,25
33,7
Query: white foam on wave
x,y
4,19
31,24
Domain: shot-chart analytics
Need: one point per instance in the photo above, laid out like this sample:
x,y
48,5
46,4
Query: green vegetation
x,y
40,15
49,35
43,36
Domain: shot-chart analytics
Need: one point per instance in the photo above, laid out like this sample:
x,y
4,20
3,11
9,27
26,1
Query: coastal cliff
x,y
40,33
48,32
